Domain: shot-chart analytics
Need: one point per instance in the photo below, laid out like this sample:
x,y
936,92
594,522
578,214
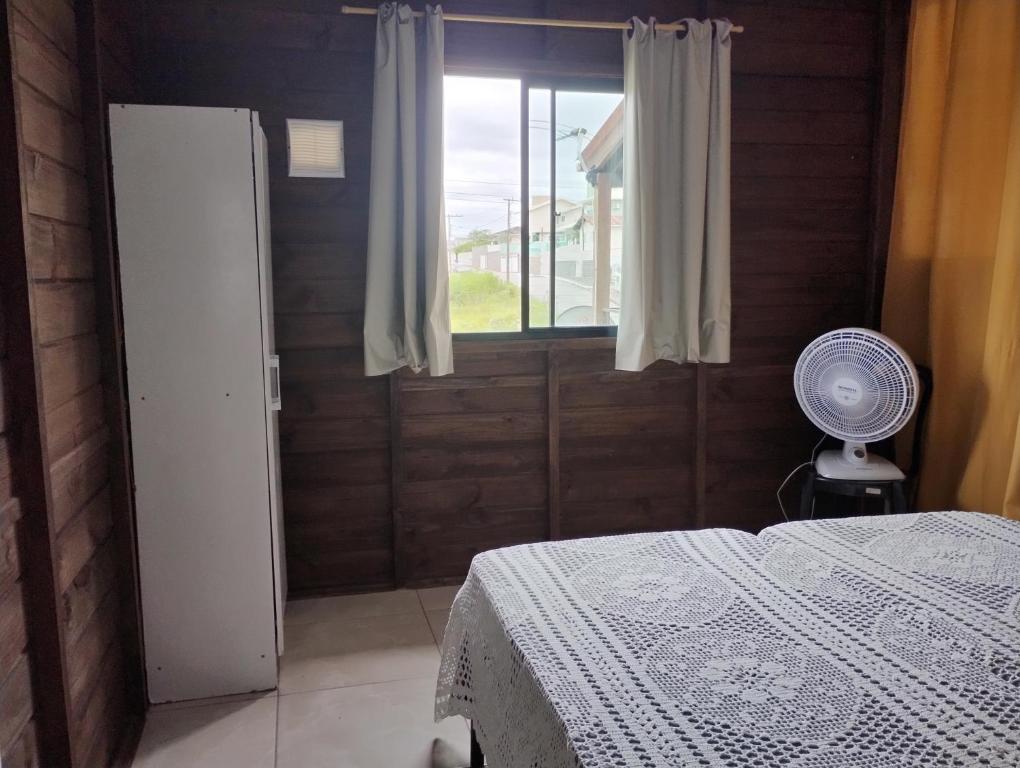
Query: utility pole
x,y
450,255
508,201
449,226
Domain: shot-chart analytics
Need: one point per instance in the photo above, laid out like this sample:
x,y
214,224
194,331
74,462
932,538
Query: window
x,y
534,206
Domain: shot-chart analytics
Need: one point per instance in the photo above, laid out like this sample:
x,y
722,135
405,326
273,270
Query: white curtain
x,y
407,307
675,292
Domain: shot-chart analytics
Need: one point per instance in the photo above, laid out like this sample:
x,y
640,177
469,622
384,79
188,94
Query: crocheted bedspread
x,y
856,643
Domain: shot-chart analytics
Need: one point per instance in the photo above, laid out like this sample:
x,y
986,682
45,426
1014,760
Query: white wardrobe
x,y
192,219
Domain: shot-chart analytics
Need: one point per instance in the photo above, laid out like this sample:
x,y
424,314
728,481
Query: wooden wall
x,y
94,681
402,480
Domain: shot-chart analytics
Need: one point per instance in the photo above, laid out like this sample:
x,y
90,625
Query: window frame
x,y
552,83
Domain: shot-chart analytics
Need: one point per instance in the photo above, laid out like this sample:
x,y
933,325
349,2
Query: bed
x,y
856,642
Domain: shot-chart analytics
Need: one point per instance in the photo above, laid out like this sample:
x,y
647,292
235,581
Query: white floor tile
x,y
435,598
238,734
437,623
388,725
352,606
330,654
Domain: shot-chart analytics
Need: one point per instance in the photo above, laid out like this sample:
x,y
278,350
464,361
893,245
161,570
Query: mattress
x,y
859,642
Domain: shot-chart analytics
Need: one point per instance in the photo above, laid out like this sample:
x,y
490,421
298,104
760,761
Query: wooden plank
x,y
773,126
81,599
16,701
612,388
58,251
319,295
332,398
769,322
50,130
86,655
622,516
445,548
553,420
467,429
336,470
397,480
41,65
798,94
761,224
22,365
797,290
318,331
470,495
323,435
793,160
626,421
13,630
10,539
78,476
55,20
627,483
807,58
489,395
329,261
700,449
93,24
63,310
797,258
786,192
894,25
485,360
767,26
620,451
70,424
55,191
97,705
325,366
68,369
456,461
24,752
82,537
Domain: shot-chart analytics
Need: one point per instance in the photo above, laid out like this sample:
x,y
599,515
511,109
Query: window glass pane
x,y
482,177
539,206
588,207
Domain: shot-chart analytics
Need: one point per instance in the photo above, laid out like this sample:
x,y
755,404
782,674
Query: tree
x,y
474,237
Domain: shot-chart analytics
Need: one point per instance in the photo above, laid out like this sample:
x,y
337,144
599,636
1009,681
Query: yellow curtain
x,y
952,294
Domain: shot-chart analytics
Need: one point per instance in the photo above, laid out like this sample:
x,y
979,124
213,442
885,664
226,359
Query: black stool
x,y
897,495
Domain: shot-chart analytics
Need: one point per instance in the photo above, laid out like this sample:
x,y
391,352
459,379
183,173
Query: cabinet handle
x,y
274,383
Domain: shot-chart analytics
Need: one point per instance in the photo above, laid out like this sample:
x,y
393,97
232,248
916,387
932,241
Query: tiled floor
x,y
356,691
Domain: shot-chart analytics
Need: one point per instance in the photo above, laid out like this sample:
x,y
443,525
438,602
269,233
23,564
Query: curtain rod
x,y
528,22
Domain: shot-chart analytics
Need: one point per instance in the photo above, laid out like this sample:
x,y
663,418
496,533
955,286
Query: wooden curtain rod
x,y
528,22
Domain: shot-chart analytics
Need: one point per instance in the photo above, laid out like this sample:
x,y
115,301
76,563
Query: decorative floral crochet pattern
x,y
888,642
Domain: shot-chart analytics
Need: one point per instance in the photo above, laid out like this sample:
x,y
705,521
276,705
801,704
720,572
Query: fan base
x,y
833,465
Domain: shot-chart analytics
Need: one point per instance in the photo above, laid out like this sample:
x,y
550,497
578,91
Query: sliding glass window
x,y
552,261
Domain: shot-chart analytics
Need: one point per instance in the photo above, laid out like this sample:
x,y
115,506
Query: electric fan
x,y
858,386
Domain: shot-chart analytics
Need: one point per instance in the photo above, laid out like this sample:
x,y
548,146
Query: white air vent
x,y
316,148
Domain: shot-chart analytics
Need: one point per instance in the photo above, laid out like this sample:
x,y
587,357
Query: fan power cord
x,y
789,477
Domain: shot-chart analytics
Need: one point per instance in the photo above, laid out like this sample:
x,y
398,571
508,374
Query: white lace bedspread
x,y
853,643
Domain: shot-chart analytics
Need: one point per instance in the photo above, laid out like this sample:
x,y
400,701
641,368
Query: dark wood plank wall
x,y
61,275
403,481
18,735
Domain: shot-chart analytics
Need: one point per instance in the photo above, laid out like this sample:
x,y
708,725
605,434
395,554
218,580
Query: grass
x,y
482,303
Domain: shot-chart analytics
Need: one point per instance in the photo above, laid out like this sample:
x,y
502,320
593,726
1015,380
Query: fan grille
x,y
856,385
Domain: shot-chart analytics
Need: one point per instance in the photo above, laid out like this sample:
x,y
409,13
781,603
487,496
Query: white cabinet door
x,y
273,396
187,242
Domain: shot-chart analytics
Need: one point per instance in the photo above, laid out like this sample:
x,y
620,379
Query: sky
x,y
482,152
